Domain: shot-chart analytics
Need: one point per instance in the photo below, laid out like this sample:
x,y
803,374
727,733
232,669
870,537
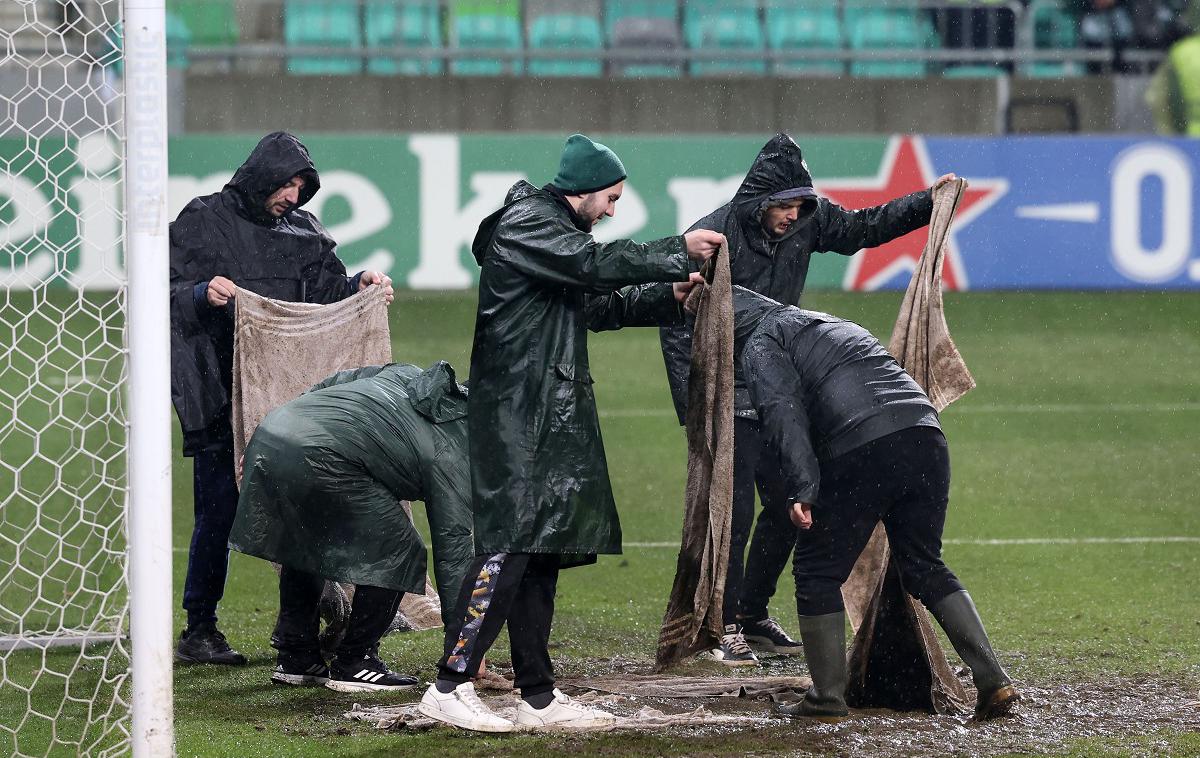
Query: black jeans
x,y
517,588
298,623
215,498
751,579
902,479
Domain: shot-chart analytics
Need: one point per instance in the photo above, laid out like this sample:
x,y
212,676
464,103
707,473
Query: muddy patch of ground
x,y
1051,715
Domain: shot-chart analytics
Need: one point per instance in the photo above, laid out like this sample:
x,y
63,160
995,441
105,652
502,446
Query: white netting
x,y
63,600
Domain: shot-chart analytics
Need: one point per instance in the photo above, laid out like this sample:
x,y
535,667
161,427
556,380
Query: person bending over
x,y
324,477
856,441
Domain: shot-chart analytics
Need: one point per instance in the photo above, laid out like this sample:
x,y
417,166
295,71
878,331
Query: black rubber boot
x,y
958,617
824,640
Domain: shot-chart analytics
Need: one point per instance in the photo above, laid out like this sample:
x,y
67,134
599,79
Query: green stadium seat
x,y
890,29
651,25
804,26
322,23
210,23
1053,29
179,38
401,23
484,32
724,26
617,10
565,32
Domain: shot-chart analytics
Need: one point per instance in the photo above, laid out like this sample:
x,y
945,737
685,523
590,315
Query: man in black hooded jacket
x,y
774,224
252,234
855,441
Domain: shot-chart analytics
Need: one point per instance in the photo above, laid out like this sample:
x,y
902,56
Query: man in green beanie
x,y
540,492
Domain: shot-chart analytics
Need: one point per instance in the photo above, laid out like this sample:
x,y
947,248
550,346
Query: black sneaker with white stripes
x,y
300,670
366,674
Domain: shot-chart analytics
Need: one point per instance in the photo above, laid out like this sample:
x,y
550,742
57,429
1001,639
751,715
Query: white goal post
x,y
85,430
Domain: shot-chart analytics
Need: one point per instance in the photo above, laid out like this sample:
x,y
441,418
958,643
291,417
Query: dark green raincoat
x,y
538,472
325,474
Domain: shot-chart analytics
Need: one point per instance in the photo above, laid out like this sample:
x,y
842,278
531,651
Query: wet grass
x,y
1084,425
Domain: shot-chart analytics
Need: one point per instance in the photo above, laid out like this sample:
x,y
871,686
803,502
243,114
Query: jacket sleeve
x,y
343,377
448,508
546,247
676,344
187,241
325,280
847,232
635,305
774,389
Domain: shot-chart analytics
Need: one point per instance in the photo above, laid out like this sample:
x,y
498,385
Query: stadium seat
x,y
565,32
322,23
400,24
486,31
804,26
179,38
1053,29
644,25
890,29
210,23
731,26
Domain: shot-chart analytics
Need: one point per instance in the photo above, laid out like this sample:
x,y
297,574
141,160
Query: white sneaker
x,y
462,708
563,713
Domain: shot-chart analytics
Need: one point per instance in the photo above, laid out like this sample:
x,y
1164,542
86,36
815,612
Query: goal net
x,y
65,656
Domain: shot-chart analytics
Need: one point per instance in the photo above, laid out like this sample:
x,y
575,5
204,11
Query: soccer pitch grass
x,y
1073,522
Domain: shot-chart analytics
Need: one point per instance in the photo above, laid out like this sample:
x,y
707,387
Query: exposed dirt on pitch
x,y
1050,716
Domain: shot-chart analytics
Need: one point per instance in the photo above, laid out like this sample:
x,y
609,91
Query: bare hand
x,y
945,179
683,288
801,515
702,244
376,277
220,291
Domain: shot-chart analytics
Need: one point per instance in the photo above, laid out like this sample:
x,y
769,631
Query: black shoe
x,y
300,670
733,650
206,644
366,674
767,635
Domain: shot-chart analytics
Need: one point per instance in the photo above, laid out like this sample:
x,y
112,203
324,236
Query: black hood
x,y
483,236
749,310
272,163
778,170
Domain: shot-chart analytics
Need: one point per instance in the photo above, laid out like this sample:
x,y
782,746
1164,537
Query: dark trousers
x,y
902,479
751,579
215,499
296,629
517,588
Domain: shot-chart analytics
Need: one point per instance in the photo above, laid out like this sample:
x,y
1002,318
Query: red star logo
x,y
906,168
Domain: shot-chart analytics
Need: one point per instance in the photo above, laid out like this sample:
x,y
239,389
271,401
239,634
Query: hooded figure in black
x,y
774,224
252,234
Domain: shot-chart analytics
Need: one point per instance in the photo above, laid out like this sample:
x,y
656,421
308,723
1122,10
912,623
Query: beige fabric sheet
x,y
693,620
895,648
280,349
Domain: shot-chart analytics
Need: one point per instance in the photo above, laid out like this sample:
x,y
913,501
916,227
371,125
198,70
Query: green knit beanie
x,y
587,166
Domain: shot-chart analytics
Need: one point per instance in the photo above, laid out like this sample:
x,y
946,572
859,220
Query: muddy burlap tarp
x,y
280,349
896,660
693,619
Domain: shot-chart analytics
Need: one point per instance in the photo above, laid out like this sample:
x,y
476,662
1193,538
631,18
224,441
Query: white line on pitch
x,y
1014,541
1044,408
